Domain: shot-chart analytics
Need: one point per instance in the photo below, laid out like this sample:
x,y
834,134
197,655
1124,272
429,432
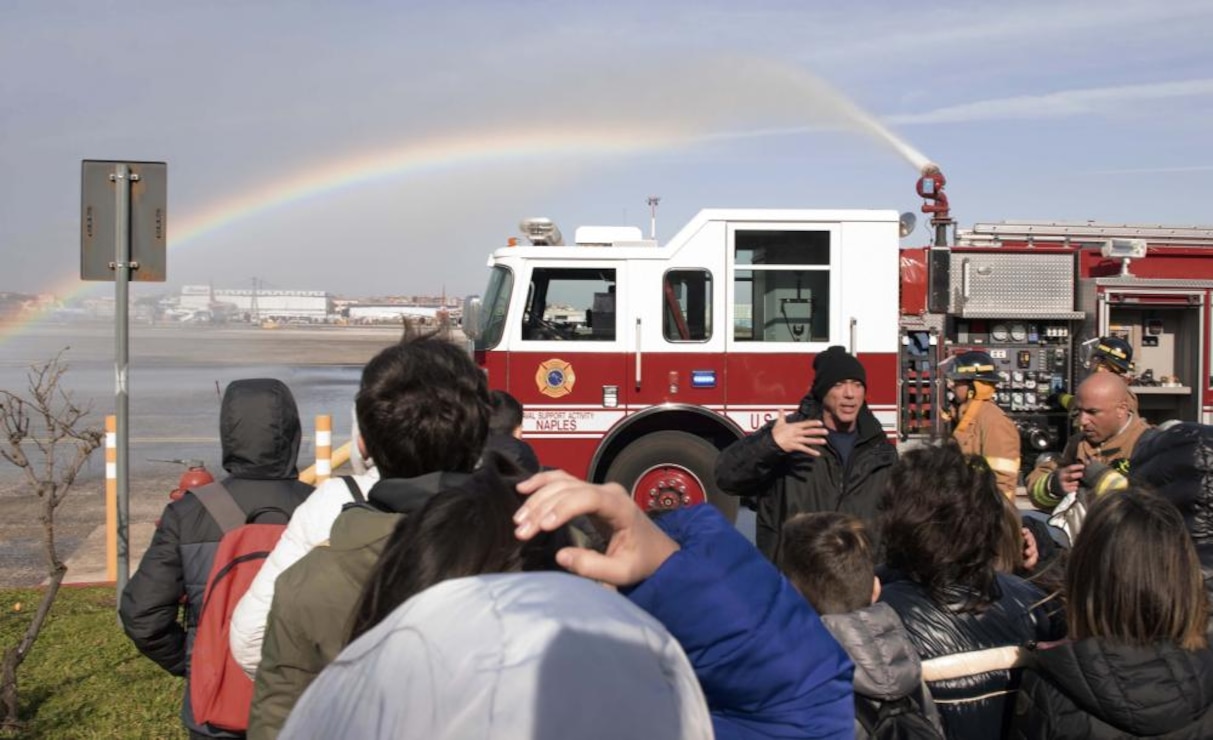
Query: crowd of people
x,y
455,587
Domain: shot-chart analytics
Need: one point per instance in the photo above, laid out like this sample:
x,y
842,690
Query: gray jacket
x,y
887,667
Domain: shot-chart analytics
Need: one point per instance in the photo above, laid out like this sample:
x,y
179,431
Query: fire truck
x,y
637,362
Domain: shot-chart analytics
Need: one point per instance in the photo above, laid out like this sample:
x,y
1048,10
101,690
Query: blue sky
x,y
1035,110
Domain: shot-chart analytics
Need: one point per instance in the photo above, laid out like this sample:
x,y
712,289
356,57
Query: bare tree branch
x,y
50,420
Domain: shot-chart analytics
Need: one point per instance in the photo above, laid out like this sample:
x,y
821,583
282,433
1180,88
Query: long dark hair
x,y
943,525
464,531
1134,576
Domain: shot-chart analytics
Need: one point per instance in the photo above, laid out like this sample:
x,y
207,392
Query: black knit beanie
x,y
832,367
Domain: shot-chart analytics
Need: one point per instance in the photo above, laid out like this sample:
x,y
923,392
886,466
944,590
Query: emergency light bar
x,y
541,232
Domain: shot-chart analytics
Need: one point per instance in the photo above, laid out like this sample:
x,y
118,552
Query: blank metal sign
x,y
148,219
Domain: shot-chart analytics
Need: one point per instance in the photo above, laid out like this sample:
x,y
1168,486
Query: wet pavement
x,y
176,379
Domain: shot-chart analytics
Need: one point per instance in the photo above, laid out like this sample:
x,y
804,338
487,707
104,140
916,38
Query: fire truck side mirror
x,y
471,317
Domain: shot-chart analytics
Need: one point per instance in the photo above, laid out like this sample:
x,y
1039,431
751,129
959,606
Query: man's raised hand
x,y
799,436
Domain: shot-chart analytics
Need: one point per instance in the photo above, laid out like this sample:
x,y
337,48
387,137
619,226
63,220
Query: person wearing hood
x,y
1137,661
423,410
1177,464
830,455
828,558
260,434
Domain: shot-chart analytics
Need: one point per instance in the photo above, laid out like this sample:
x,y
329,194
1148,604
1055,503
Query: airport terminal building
x,y
307,305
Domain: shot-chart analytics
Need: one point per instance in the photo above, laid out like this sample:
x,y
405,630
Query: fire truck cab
x,y
637,362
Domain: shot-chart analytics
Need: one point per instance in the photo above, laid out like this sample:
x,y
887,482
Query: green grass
x,y
84,678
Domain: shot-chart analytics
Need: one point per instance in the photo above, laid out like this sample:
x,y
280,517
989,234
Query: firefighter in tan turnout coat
x,y
1097,457
981,427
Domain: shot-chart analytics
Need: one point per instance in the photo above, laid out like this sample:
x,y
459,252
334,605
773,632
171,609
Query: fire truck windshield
x,y
496,306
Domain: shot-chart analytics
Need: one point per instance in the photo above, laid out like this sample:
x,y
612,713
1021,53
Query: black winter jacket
x,y
260,434
789,483
1097,689
974,706
1177,463
513,449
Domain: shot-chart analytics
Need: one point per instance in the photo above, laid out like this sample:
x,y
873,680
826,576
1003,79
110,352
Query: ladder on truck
x,y
994,234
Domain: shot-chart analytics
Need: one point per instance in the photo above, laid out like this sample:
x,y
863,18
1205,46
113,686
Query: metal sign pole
x,y
129,202
122,275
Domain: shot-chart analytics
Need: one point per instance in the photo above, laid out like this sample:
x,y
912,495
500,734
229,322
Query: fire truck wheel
x,y
670,470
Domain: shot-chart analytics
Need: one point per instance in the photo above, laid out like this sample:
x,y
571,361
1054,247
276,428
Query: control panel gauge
x,y
999,333
1019,333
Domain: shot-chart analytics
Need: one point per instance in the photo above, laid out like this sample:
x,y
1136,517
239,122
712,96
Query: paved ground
x,y
79,529
80,520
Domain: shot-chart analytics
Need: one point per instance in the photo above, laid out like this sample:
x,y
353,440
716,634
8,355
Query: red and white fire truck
x,y
637,362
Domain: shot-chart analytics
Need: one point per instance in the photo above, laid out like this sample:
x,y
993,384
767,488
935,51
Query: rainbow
x,y
413,159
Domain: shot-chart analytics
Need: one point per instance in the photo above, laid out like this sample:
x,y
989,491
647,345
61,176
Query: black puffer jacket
x,y
789,483
1097,689
975,706
260,433
1177,463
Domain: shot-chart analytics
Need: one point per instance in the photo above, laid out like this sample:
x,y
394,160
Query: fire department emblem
x,y
555,378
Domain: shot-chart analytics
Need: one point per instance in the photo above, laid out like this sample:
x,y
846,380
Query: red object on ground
x,y
196,476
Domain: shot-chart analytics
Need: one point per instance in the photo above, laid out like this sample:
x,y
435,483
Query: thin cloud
x,y
923,34
1155,170
1063,104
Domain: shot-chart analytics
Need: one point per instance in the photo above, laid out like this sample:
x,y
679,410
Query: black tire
x,y
696,454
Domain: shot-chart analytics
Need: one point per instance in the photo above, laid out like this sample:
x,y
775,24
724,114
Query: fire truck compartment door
x,y
1013,285
1166,329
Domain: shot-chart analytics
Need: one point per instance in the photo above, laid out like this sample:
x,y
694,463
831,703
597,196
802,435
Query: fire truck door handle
x,y
854,330
964,279
637,354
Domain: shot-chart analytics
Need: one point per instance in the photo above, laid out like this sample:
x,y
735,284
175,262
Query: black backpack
x,y
901,719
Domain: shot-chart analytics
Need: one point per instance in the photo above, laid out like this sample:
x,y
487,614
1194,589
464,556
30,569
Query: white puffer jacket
x,y
545,656
309,526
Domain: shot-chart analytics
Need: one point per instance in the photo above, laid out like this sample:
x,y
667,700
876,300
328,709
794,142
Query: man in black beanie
x,y
830,455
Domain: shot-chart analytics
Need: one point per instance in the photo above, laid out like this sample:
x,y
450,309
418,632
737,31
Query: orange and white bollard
x,y
324,447
111,498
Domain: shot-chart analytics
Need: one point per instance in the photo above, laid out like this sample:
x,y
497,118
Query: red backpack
x,y
220,691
